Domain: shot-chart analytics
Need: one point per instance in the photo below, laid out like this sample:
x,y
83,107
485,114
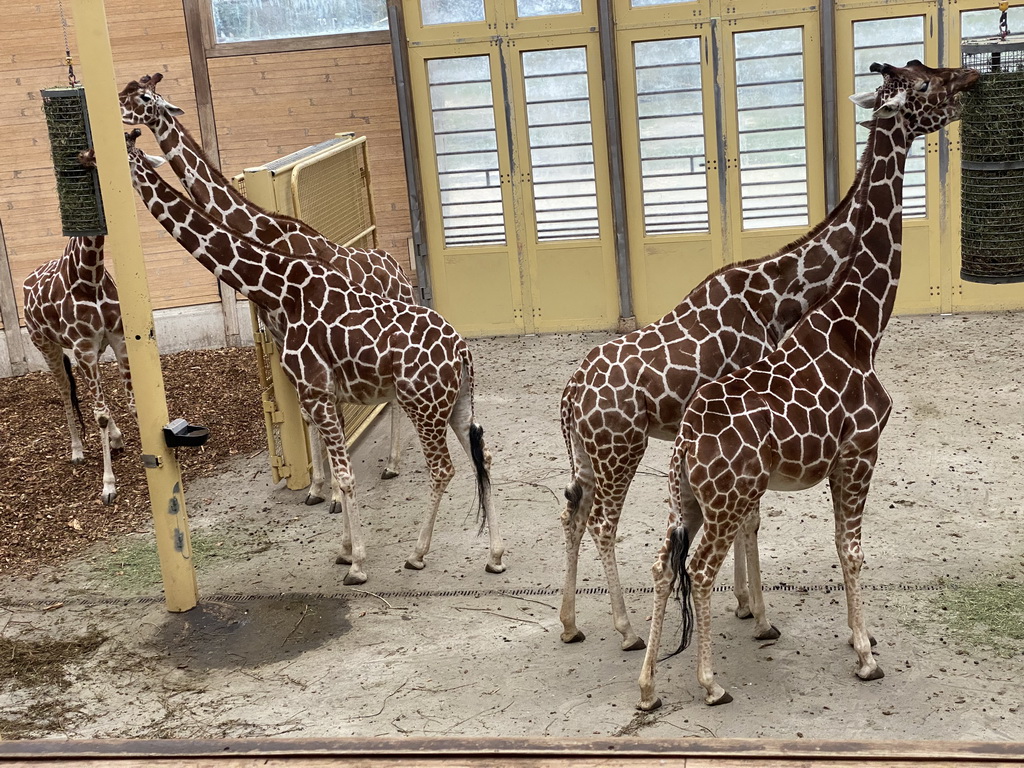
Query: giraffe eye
x,y
145,97
922,87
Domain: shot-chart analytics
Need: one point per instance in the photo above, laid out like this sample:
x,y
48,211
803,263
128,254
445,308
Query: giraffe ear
x,y
866,99
892,106
156,160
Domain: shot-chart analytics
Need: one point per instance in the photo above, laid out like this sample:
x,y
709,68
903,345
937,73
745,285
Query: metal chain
x,y
72,80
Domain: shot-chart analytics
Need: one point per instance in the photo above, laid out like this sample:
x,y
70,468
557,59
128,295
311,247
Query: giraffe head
x,y
142,105
87,157
923,98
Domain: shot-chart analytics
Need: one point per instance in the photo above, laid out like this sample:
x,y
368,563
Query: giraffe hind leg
x,y
579,498
395,453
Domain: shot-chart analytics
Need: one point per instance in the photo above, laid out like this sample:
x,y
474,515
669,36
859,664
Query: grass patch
x,y
135,564
987,614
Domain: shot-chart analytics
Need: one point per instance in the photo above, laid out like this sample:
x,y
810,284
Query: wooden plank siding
x,y
282,102
144,39
266,105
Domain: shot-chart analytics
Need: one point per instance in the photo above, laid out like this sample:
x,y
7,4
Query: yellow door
x,y
512,151
722,138
895,35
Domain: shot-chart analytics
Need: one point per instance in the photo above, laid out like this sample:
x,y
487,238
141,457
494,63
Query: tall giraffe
x,y
636,387
71,303
344,344
814,408
376,270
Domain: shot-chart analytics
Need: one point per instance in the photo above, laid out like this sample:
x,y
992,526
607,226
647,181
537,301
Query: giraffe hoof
x,y
351,579
78,459
743,612
636,645
649,706
388,473
723,698
116,452
312,500
343,559
492,568
414,565
335,507
575,637
108,498
772,633
875,673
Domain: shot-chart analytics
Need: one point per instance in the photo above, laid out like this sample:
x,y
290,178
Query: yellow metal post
x,y
124,244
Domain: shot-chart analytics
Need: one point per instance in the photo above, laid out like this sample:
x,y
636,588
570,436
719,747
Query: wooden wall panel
x,y
145,39
268,105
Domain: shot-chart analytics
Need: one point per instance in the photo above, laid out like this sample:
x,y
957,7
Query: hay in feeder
x,y
992,158
78,191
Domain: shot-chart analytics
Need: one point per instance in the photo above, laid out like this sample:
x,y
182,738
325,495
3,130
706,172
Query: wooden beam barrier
x,y
514,753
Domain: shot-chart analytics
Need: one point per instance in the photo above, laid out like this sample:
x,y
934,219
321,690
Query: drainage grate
x,y
355,594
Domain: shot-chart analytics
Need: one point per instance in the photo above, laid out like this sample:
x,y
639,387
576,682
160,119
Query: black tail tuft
x,y
681,584
73,386
483,478
573,494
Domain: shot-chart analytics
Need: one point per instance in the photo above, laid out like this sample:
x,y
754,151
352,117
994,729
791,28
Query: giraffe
x,y
344,344
376,270
71,303
636,387
814,408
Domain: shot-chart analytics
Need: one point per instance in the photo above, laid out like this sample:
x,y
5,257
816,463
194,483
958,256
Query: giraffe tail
x,y
679,548
573,491
483,476
73,388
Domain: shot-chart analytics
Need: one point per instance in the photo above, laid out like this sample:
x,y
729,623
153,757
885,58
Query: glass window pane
x,y
466,147
561,144
547,7
451,11
670,108
891,41
238,20
975,24
772,128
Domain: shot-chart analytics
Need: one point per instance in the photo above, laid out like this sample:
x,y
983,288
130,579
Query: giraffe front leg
x,y
60,367
88,361
395,454
850,484
121,355
325,415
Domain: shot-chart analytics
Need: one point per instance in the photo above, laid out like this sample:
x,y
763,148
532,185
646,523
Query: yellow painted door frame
x,y
925,283
750,242
666,260
518,282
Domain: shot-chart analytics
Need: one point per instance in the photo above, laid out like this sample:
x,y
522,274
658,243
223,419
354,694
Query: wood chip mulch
x,y
50,509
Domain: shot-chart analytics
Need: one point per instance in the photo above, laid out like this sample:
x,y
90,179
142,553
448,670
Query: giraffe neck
x,y
255,272
205,184
84,256
780,289
868,292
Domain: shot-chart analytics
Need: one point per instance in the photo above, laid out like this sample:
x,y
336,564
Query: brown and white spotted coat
x,y
812,410
636,387
375,270
344,344
71,303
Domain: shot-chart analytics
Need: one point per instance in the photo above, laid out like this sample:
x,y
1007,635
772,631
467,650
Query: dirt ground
x,y
279,647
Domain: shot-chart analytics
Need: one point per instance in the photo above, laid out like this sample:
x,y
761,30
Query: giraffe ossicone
x,y
342,343
813,409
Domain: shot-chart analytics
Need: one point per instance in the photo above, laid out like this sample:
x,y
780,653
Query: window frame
x,y
200,12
